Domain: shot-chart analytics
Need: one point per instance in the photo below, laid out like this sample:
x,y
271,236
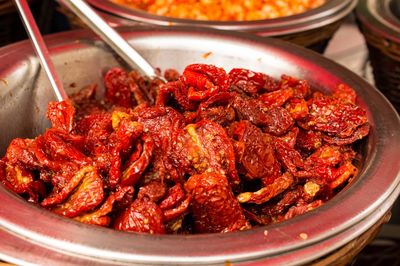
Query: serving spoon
x,y
100,27
40,48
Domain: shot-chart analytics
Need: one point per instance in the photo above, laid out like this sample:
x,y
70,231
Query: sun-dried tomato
x,y
135,169
216,152
214,206
301,88
153,191
21,152
118,87
266,193
255,155
250,82
141,216
218,109
308,140
175,194
300,209
83,193
175,94
334,117
205,147
345,93
204,81
297,108
61,115
273,120
177,211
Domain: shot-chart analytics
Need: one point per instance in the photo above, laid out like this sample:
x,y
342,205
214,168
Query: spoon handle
x,y
110,36
40,48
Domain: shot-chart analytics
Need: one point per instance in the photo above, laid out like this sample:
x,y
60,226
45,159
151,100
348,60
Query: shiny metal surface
x,y
332,11
82,59
113,39
40,48
110,36
381,17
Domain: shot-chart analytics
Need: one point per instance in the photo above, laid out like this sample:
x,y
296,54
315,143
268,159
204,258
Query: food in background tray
x,y
223,10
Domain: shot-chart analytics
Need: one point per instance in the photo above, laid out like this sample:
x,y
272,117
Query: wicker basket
x,y
384,55
381,29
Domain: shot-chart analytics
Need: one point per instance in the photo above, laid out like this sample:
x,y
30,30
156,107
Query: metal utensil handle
x,y
40,48
110,36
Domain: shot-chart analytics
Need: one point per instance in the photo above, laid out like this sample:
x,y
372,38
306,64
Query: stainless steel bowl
x,y
29,233
311,29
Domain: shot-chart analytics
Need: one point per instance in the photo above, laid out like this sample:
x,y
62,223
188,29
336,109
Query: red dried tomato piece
x,y
177,91
299,209
218,109
118,89
290,138
279,121
177,211
15,178
289,197
205,147
134,170
345,93
214,207
289,157
257,219
268,192
101,215
250,82
58,146
83,193
141,216
343,173
255,155
358,134
251,109
174,195
274,120
61,115
161,123
21,152
171,75
277,98
297,108
153,191
301,88
149,87
308,140
334,117
21,181
204,81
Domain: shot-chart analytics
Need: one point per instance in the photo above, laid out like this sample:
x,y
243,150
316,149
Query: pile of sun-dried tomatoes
x,y
216,152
